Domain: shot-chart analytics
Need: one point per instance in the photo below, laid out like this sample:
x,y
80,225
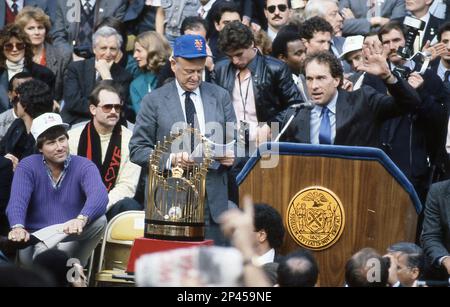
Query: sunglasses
x,y
108,107
281,8
10,46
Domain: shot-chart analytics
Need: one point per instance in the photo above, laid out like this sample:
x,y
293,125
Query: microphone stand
x,y
291,118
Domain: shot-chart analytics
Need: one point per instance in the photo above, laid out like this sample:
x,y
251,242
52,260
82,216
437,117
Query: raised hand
x,y
375,62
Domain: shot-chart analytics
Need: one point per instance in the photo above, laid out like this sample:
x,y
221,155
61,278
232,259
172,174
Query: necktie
x,y
325,127
15,7
190,115
87,7
447,74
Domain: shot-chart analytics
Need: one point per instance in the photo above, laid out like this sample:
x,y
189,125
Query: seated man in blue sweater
x,y
56,188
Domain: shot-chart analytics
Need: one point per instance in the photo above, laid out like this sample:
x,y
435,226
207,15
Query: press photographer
x,y
423,130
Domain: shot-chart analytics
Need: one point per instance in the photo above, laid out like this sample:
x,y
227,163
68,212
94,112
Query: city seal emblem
x,y
315,218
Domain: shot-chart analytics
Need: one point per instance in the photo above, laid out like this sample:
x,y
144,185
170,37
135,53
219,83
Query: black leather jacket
x,y
273,85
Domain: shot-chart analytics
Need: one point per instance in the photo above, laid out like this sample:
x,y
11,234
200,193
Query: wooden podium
x,y
379,203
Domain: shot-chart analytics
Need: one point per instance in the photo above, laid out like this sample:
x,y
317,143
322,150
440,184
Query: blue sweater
x,y
35,204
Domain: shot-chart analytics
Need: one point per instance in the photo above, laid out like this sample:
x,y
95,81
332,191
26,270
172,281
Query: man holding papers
x,y
189,101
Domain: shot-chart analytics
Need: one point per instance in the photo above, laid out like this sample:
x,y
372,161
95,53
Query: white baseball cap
x,y
44,122
352,43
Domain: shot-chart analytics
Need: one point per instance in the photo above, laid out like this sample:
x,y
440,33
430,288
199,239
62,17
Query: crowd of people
x,y
88,88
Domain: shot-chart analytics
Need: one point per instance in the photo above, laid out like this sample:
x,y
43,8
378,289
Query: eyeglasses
x,y
108,107
10,46
281,8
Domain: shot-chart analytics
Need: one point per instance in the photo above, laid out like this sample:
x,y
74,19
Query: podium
x,y
335,200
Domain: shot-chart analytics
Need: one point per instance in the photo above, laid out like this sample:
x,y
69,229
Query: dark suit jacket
x,y
161,109
360,25
436,224
416,140
67,25
37,71
37,3
79,82
140,17
359,115
57,62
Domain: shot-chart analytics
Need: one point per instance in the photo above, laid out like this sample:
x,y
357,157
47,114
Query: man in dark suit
x,y
9,9
75,23
348,118
81,76
436,230
180,101
359,18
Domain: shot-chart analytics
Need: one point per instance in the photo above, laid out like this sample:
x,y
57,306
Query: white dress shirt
x,y
198,103
268,257
19,3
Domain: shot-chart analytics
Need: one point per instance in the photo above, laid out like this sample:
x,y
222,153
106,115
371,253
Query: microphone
x,y
306,104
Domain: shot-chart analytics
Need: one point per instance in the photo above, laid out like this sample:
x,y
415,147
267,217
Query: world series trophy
x,y
176,195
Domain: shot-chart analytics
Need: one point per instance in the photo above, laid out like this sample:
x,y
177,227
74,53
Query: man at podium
x,y
348,118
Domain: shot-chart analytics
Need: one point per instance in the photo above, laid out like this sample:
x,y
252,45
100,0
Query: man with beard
x,y
105,141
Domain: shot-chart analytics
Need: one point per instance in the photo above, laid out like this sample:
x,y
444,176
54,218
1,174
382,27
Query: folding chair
x,y
115,250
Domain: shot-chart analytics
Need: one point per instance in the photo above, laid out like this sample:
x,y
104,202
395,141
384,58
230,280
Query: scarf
x,y
14,68
89,146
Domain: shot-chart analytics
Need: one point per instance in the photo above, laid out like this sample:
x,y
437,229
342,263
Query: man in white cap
x,y
352,53
58,198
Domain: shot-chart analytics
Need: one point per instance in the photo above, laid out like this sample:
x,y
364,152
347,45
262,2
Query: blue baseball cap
x,y
190,47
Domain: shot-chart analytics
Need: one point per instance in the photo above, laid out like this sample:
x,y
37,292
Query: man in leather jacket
x,y
261,87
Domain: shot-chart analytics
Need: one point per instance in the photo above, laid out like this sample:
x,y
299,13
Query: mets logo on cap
x,y
198,44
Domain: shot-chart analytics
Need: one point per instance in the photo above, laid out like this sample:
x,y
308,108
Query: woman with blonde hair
x,y
151,51
36,24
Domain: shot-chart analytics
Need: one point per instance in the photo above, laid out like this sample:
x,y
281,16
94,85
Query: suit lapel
x,y
304,126
173,105
209,105
90,71
342,111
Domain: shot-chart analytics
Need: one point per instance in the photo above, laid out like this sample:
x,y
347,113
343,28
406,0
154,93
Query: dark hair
x,y
235,36
51,134
268,219
288,3
107,85
20,75
10,31
35,97
358,266
443,28
225,7
298,269
325,57
314,25
391,25
414,254
193,23
279,44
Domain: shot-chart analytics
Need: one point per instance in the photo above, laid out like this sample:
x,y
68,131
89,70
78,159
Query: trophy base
x,y
174,231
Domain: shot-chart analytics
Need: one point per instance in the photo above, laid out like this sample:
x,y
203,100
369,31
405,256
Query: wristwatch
x,y
83,218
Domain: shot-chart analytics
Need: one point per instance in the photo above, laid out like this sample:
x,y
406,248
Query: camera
x,y
412,27
84,51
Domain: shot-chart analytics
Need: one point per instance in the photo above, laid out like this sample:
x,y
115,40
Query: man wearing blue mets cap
x,y
189,101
